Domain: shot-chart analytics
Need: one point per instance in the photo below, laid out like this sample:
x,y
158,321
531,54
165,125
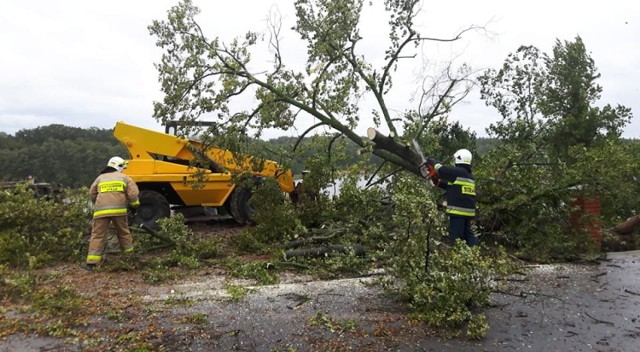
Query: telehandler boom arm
x,y
150,145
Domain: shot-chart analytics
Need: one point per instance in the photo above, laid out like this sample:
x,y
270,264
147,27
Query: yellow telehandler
x,y
163,167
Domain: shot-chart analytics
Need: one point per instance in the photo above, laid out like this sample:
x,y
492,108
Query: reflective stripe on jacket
x,y
112,194
461,189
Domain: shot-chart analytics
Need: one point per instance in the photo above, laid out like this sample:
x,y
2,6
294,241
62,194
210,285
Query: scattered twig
x,y
614,265
510,279
507,293
296,265
631,292
326,251
160,246
598,321
524,294
298,299
312,240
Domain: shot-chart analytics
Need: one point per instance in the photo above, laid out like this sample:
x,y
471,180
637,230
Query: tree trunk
x,y
381,142
627,227
389,144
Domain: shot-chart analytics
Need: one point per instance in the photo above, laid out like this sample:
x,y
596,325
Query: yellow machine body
x,y
163,159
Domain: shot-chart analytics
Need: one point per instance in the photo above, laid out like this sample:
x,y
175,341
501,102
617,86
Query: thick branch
x,y
389,144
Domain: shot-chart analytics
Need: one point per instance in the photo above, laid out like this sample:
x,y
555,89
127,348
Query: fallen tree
x,y
627,227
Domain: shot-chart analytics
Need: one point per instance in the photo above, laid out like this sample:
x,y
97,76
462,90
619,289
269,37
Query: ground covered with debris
x,y
569,307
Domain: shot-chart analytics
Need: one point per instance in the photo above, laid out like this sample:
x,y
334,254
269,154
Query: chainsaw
x,y
426,169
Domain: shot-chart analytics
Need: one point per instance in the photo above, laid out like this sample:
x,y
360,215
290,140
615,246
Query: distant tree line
x,y
73,156
70,156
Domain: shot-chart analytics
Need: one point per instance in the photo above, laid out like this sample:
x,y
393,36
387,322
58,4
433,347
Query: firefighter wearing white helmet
x,y
460,186
112,194
117,163
462,156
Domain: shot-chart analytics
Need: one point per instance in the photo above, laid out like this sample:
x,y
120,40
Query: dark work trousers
x,y
460,227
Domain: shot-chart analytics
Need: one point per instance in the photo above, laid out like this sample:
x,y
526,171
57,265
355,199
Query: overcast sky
x,y
85,63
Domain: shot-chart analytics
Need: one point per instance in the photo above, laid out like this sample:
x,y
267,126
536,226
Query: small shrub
x,y
275,218
62,301
339,265
17,285
178,301
245,242
115,315
331,324
175,229
185,261
478,327
442,286
198,318
208,248
37,231
237,292
155,276
456,282
255,271
58,328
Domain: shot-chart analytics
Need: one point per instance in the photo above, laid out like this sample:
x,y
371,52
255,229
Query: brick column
x,y
587,216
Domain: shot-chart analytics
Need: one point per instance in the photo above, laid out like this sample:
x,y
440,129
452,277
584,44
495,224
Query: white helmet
x,y
117,163
462,156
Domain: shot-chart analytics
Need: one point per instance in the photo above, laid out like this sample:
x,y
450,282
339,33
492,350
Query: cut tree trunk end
x,y
391,145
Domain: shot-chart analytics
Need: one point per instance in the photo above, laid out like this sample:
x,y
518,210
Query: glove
x,y
432,161
425,169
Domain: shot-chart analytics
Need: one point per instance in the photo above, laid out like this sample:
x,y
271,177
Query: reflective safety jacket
x,y
461,189
113,193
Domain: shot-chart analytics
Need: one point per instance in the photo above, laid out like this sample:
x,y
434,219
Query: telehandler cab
x,y
162,165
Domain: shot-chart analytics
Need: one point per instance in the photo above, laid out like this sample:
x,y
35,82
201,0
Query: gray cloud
x,y
90,64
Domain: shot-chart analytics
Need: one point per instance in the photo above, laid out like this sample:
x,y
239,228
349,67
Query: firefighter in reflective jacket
x,y
460,186
112,194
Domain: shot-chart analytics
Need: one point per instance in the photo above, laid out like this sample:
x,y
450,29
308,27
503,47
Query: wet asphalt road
x,y
570,307
587,307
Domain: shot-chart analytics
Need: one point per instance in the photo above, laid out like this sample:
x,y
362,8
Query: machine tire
x,y
153,207
240,207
